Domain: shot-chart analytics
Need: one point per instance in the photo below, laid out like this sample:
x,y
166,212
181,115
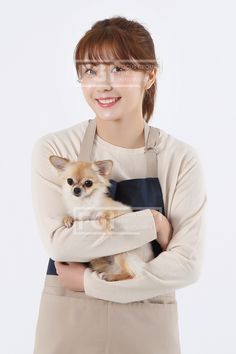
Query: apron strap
x,y
151,149
86,147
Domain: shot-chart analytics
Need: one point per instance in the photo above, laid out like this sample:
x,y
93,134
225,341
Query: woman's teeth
x,y
106,101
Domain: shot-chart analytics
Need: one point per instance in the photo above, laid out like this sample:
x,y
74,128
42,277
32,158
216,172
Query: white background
x,y
195,45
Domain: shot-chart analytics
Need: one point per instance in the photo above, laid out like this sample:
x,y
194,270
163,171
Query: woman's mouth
x,y
107,102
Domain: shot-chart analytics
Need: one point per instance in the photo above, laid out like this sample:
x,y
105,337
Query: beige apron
x,y
71,322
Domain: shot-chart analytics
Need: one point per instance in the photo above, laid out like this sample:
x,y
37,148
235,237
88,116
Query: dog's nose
x,y
77,191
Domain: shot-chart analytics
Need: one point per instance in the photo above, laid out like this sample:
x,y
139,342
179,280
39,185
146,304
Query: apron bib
x,y
71,322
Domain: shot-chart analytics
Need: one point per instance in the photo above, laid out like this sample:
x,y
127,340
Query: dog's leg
x,y
68,221
104,222
124,273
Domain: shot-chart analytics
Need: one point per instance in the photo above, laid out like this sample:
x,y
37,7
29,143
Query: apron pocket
x,y
144,327
70,324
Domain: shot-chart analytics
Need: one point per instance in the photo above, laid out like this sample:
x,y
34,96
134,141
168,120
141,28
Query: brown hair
x,y
125,40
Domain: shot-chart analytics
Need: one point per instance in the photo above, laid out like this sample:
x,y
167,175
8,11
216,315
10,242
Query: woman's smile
x,y
108,101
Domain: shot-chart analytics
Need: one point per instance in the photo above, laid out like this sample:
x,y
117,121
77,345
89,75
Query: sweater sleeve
x,y
180,264
85,240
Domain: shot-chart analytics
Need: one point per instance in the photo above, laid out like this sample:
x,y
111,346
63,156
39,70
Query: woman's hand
x,y
71,275
163,228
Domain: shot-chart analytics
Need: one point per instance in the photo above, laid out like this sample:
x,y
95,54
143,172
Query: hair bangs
x,y
106,47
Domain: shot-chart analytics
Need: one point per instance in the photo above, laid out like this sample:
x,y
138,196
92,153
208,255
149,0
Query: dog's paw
x,y
68,221
108,277
105,224
116,277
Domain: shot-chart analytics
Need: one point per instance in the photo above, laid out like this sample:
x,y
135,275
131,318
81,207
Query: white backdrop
x,y
195,45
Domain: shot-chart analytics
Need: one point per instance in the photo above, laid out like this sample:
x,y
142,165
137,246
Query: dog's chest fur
x,y
87,208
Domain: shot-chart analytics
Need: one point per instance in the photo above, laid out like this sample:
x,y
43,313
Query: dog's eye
x,y
70,181
88,183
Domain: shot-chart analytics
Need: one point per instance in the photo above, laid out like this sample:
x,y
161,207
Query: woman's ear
x,y
150,78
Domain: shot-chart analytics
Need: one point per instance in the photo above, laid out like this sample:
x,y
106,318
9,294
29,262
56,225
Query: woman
x,y
155,173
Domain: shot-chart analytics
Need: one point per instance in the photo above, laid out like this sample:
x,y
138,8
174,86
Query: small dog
x,y
84,187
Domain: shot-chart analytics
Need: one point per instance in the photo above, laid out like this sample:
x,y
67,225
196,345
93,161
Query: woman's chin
x,y
107,117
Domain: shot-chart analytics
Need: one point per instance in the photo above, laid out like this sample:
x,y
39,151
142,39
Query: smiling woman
x,y
118,52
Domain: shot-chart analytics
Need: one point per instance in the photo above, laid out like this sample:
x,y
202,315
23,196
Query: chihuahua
x,y
84,188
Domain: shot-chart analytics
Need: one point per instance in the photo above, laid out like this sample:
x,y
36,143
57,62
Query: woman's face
x,y
123,88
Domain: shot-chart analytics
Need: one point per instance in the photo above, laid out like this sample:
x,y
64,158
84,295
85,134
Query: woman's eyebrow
x,y
96,62
89,63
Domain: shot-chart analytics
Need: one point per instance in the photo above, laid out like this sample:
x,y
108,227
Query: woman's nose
x,y
104,78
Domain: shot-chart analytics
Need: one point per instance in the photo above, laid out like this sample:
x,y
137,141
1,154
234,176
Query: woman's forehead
x,y
96,62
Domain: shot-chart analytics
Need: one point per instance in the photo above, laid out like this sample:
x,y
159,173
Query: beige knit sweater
x,y
184,193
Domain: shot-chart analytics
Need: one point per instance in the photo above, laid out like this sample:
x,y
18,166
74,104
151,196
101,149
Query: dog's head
x,y
82,178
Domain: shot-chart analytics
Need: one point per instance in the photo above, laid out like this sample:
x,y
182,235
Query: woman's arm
x,y
84,240
71,275
178,266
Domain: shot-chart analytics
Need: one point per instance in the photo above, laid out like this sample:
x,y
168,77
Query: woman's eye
x,y
87,71
70,181
119,68
88,183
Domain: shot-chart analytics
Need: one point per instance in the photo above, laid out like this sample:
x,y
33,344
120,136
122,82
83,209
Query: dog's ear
x,y
103,167
59,162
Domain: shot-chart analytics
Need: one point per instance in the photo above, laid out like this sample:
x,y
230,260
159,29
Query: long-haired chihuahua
x,y
85,189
